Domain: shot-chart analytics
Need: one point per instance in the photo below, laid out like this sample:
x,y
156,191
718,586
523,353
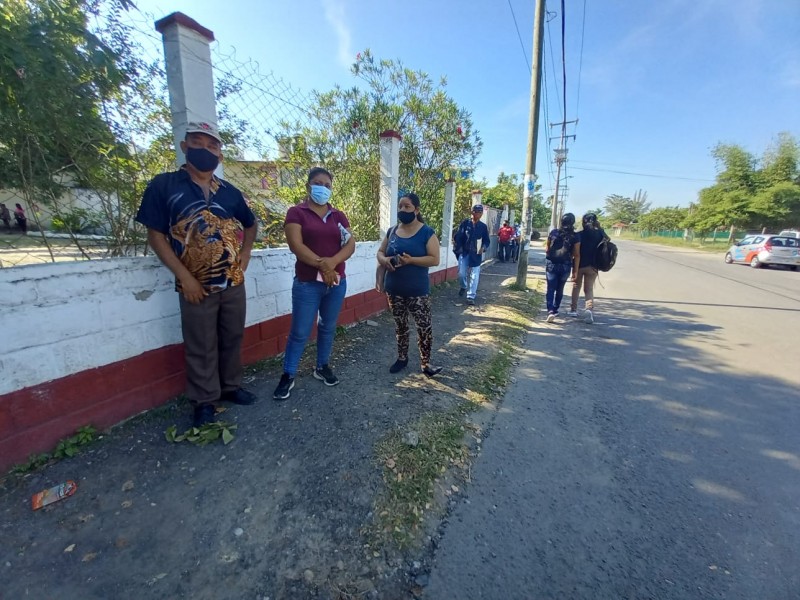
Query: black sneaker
x,y
461,291
398,366
284,389
240,396
204,414
325,374
471,301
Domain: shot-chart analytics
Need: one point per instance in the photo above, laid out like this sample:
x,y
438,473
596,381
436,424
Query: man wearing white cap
x,y
192,219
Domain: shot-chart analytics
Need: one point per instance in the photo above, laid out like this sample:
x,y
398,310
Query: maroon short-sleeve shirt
x,y
321,234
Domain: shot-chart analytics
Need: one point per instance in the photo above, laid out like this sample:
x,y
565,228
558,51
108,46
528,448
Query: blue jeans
x,y
468,276
309,299
557,275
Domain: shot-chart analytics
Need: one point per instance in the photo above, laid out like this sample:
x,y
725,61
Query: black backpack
x,y
606,255
561,244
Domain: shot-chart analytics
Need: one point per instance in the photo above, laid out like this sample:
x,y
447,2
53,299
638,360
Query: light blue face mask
x,y
320,194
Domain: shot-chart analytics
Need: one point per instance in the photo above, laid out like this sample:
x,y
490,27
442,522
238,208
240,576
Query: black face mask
x,y
406,217
201,159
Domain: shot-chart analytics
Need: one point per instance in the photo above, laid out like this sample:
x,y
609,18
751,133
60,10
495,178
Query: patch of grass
x,y
716,247
410,472
65,448
265,364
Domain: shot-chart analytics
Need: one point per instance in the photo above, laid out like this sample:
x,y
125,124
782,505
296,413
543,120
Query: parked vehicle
x,y
766,249
790,233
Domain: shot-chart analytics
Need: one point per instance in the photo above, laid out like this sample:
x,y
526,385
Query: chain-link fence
x,y
83,208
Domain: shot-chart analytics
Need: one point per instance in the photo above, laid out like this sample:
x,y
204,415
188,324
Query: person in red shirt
x,y
319,236
504,237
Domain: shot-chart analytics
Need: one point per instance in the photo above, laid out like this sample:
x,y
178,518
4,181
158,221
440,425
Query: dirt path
x,y
284,511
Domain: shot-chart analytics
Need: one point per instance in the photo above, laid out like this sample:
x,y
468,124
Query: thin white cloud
x,y
335,15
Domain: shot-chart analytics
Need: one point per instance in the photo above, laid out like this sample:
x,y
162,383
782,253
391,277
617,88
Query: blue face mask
x,y
201,159
320,194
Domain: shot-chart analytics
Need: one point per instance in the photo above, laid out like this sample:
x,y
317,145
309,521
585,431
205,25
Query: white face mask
x,y
320,194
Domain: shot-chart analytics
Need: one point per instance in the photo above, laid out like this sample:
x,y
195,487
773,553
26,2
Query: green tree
x,y
627,210
664,218
749,192
74,98
344,125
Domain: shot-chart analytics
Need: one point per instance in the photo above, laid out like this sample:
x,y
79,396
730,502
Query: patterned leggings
x,y
420,308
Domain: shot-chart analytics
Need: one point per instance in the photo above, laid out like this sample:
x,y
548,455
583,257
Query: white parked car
x,y
766,249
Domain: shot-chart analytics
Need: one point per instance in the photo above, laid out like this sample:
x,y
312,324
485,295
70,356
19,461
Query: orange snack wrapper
x,y
54,494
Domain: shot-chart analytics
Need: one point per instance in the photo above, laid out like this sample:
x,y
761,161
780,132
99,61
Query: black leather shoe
x,y
432,371
203,414
240,396
398,366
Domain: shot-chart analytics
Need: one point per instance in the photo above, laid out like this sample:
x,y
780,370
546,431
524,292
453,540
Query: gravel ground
x,y
281,512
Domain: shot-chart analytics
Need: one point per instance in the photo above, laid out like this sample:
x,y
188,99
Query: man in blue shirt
x,y
470,241
192,219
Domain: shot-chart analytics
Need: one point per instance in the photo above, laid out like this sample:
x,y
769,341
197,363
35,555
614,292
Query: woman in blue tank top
x,y
407,252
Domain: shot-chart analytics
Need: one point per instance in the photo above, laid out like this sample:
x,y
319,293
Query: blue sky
x,y
655,85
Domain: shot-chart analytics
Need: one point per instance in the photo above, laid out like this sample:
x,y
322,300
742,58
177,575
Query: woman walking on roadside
x,y
590,237
320,238
562,248
407,252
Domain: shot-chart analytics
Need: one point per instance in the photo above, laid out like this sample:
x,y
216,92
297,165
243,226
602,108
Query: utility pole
x,y
561,158
529,184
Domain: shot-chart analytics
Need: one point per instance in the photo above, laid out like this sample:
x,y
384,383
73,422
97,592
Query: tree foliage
x,y
751,193
342,133
74,98
627,210
664,218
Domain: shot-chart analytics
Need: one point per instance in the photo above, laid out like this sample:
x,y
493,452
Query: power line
x,y
552,59
521,45
564,61
643,174
580,64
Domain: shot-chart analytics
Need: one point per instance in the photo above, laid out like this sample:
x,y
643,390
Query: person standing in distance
x,y
470,241
192,218
562,257
505,236
320,238
590,237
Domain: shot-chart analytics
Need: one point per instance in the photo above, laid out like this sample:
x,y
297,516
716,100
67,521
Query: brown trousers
x,y
212,342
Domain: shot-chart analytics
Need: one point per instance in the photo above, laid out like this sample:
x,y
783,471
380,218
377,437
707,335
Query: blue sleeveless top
x,y
408,281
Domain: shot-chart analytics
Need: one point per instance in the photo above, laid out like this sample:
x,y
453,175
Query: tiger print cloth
x,y
419,307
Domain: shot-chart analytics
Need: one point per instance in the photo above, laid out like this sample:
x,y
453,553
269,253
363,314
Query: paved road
x,y
655,454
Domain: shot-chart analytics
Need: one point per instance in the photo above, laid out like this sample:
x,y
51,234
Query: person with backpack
x,y
590,237
562,251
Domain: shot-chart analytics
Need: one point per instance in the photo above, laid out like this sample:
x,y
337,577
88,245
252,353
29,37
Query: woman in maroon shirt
x,y
320,237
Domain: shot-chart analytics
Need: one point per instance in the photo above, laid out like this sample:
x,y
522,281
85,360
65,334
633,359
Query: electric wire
x,y
580,63
521,45
644,174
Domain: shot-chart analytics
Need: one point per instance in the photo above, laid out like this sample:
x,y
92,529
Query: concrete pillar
x,y
389,184
447,222
190,77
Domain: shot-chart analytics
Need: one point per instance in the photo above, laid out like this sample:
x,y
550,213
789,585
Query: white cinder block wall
x,y
63,318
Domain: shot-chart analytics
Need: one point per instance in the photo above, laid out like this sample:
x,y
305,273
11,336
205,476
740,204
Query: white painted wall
x,y
63,318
